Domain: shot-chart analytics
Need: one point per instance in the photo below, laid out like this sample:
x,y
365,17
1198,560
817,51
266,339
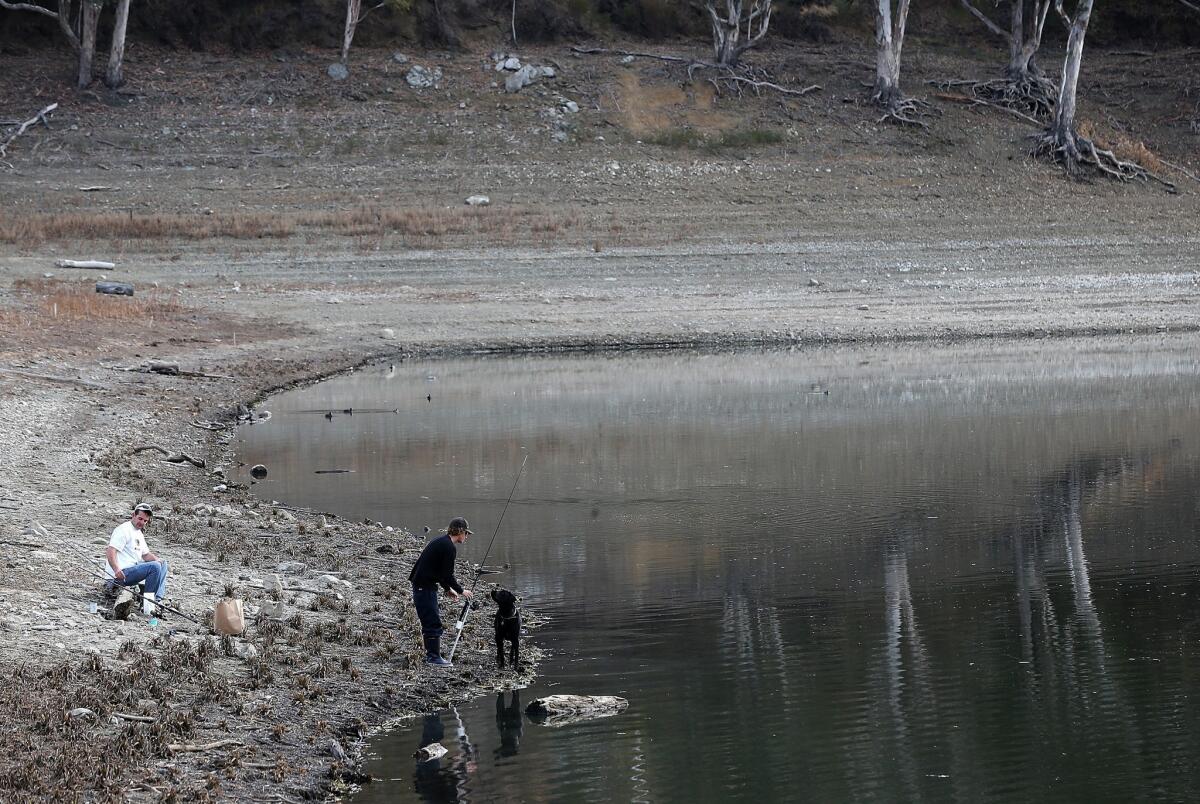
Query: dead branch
x,y
168,370
970,101
767,84
588,51
135,718
178,748
31,121
212,426
1180,168
169,457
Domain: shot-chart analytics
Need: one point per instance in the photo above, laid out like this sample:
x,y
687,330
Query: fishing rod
x,y
462,617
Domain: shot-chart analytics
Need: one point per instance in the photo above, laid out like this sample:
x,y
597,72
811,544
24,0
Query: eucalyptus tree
x,y
113,76
82,39
1024,84
355,15
736,28
891,18
1061,140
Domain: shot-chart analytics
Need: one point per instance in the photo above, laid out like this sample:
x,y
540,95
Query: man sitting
x,y
130,562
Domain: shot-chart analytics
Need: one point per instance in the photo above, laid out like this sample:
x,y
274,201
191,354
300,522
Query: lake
x,y
895,573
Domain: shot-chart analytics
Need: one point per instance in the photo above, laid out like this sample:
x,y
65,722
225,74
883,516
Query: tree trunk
x,y
725,30
89,12
353,11
116,55
889,40
1063,128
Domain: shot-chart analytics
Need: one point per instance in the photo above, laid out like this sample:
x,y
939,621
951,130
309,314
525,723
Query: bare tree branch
x,y
28,7
21,130
991,26
1191,5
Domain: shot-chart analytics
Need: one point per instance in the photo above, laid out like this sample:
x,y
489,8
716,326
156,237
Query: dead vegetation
x,y
416,226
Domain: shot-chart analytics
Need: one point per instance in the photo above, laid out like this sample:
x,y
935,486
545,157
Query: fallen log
x,y
562,710
98,265
178,748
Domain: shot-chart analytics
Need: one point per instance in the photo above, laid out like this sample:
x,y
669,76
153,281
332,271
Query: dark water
x,y
893,574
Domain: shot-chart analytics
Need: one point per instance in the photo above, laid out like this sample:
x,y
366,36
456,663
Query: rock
x,y
337,71
245,651
333,582
286,516
571,106
220,488
419,77
388,334
812,283
114,288
35,528
560,710
547,72
336,750
273,585
399,58
291,568
512,63
258,471
202,511
478,201
273,609
559,136
431,751
43,555
81,712
522,78
627,59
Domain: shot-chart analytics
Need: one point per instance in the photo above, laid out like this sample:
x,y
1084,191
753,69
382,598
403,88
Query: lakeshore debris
x,y
431,751
562,710
114,288
96,265
258,471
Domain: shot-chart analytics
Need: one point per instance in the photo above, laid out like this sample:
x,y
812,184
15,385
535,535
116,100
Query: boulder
x,y
478,201
419,77
245,651
388,334
291,568
522,78
338,71
561,710
399,58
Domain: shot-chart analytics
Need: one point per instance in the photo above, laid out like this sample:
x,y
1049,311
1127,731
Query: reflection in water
x,y
509,723
445,779
962,574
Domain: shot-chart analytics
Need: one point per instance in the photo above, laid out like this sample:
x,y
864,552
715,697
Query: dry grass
x,y
421,226
1123,146
56,300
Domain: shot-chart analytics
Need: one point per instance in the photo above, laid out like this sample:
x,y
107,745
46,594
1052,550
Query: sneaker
x,y
438,661
122,605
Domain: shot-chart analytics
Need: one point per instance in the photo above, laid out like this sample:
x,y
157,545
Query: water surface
x,y
911,573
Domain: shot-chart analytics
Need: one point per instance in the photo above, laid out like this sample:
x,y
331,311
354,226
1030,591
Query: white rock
x,y
388,334
571,106
627,59
431,751
478,201
399,58
246,651
291,568
511,63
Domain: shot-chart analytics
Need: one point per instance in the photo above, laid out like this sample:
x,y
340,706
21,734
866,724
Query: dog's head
x,y
505,599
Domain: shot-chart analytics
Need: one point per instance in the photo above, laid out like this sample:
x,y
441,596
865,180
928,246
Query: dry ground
x,y
280,226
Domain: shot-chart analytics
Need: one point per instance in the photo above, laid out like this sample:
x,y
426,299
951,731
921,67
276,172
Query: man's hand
x,y
119,575
452,594
468,594
149,557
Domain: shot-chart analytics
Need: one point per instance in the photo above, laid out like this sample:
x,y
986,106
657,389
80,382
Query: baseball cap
x,y
458,523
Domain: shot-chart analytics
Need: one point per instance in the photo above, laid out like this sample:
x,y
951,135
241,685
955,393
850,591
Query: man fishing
x,y
433,568
130,562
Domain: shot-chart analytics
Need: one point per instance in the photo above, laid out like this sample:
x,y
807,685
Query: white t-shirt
x,y
130,544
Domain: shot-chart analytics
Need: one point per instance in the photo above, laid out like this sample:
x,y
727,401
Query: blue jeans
x,y
154,573
427,612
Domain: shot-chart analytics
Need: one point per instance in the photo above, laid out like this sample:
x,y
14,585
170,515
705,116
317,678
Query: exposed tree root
x,y
731,79
169,457
1030,92
1079,155
902,110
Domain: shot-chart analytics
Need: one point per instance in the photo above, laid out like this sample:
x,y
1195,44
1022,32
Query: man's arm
x,y
148,556
111,554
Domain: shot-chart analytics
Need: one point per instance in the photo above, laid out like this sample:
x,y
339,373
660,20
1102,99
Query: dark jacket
x,y
436,565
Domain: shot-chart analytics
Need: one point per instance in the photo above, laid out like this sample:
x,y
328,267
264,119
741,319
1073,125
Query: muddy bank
x,y
867,235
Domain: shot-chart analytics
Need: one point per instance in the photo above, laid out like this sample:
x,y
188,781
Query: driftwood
x,y
178,748
561,710
172,370
96,264
212,426
21,129
136,718
169,457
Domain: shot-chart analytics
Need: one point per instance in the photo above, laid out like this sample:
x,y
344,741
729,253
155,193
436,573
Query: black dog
x,y
508,626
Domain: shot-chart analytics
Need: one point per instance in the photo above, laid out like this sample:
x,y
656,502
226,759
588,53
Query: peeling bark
x,y
736,29
113,77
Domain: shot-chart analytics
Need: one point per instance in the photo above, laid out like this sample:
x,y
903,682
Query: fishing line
x,y
462,617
